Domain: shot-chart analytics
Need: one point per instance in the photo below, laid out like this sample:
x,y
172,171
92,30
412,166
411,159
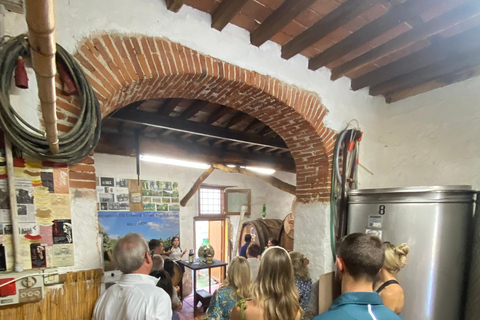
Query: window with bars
x,y
211,201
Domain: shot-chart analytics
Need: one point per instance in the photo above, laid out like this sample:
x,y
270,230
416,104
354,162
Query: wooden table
x,y
195,266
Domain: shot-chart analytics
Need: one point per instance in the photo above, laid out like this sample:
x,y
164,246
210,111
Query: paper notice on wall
x,y
24,191
28,228
5,216
26,212
62,231
60,255
25,253
3,258
4,199
60,180
47,236
38,255
60,205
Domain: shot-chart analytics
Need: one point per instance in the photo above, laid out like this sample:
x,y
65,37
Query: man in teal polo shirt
x,y
359,258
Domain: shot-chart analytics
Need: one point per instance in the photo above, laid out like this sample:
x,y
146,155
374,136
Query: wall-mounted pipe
x,y
18,264
41,27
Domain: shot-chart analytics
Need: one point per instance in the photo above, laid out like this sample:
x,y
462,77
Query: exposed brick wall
x,y
123,69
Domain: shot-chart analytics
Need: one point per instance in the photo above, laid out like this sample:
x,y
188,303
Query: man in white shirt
x,y
253,257
135,296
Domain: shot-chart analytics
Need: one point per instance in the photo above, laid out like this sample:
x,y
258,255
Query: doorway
x,y
216,231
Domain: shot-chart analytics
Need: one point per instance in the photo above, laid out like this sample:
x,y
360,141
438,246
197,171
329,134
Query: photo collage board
x,y
44,215
118,194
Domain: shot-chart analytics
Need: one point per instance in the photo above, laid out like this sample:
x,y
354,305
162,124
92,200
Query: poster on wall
x,y
113,194
44,214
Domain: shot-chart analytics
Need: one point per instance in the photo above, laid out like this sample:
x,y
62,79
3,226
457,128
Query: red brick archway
x,y
123,69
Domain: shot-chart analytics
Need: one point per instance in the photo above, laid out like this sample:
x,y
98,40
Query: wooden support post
x,y
174,5
196,186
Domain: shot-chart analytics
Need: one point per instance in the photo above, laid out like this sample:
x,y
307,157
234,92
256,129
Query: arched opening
x,y
126,69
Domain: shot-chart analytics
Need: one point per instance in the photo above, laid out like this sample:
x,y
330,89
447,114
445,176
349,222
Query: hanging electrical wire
x,y
344,178
76,144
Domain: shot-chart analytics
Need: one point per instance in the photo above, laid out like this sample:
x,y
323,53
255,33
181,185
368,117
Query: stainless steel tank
x,y
435,222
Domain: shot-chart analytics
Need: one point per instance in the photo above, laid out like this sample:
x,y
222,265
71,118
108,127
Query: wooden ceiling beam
x,y
193,109
468,11
276,21
454,63
217,114
202,129
113,143
332,21
442,81
391,19
266,130
168,106
225,13
432,54
175,5
237,119
255,124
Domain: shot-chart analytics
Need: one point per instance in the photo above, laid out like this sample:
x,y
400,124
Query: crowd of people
x,y
269,285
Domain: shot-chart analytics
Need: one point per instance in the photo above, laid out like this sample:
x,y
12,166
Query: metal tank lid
x,y
451,188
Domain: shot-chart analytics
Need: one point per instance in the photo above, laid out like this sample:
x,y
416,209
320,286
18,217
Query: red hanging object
x,y
21,78
69,86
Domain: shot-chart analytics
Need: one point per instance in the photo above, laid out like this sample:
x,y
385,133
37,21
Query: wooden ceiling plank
x,y
391,19
237,119
439,82
180,125
124,144
275,22
191,111
266,130
465,12
432,54
255,124
454,63
225,13
332,21
217,114
169,106
175,5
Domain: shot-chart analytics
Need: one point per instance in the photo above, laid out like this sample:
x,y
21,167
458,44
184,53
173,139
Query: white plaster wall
x,y
432,139
278,203
77,19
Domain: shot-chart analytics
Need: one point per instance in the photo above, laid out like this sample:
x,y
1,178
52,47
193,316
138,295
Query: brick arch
x,y
123,69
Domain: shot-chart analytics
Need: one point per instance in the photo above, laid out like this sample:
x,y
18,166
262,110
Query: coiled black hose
x,y
74,145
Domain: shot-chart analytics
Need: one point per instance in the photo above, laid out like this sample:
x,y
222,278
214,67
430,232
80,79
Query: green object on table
x,y
264,211
206,251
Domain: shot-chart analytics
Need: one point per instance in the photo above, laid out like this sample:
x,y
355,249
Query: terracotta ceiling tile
x,y
281,38
355,24
338,35
357,52
324,7
323,44
374,12
203,5
271,4
256,11
361,71
310,52
307,18
293,28
244,22
398,30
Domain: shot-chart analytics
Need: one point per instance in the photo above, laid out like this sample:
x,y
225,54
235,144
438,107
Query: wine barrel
x,y
262,230
287,232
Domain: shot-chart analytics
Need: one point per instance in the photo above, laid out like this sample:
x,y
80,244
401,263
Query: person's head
x,y
272,242
155,246
360,255
175,242
274,289
239,278
300,266
248,237
164,281
395,257
254,251
157,261
169,266
131,254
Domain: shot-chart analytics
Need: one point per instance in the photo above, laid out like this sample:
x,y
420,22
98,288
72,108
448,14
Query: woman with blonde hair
x,y
236,286
274,295
388,287
302,279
